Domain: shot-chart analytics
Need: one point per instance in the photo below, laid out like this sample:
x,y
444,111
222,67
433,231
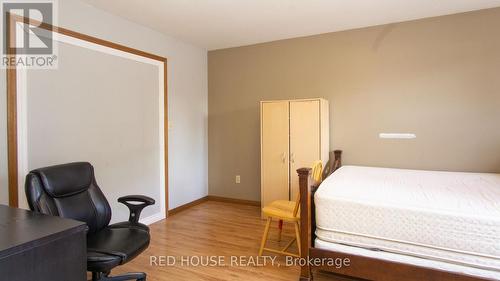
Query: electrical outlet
x,y
237,179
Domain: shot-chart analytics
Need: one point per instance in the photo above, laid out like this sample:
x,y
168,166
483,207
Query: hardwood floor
x,y
214,229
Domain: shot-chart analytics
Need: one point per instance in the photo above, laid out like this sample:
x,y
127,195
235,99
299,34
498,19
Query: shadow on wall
x,y
387,29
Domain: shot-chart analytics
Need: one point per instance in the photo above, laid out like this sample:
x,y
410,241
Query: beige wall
x,y
438,78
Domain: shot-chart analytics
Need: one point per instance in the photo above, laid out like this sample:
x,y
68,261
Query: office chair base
x,y
101,276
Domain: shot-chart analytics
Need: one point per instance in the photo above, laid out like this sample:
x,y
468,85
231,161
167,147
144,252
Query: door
x,y
274,151
304,139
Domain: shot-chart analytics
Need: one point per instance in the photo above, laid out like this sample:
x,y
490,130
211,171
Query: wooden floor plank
x,y
215,229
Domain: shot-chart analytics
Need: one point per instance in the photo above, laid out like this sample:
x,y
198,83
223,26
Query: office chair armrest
x,y
136,209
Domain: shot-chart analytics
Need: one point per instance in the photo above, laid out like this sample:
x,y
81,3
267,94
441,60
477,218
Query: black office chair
x,y
70,191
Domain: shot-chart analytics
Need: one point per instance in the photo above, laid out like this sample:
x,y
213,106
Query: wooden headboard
x,y
333,163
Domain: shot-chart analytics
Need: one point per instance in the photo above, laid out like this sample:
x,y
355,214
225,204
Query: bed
x,y
396,224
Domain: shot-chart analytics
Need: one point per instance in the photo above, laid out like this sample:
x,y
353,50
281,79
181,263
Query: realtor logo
x,y
32,42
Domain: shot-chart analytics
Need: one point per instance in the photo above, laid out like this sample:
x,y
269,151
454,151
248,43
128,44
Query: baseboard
x,y
233,200
153,218
187,205
210,198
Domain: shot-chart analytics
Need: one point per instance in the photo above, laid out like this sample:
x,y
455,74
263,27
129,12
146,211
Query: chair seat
x,y
113,246
127,224
281,209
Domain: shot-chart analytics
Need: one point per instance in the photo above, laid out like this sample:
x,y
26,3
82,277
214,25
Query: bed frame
x,y
360,266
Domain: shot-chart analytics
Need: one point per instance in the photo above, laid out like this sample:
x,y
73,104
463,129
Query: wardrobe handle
x,y
292,157
283,157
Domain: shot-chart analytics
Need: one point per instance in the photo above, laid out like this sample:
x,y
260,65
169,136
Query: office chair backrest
x,y
69,191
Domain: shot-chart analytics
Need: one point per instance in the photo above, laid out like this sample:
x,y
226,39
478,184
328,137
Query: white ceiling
x,y
217,24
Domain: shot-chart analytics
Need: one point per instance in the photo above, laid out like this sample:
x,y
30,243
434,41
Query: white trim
x,y
161,124
22,135
22,128
104,49
153,218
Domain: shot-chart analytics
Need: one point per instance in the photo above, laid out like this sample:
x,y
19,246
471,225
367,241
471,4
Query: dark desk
x,y
36,247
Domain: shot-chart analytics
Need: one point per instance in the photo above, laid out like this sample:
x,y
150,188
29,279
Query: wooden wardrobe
x,y
294,134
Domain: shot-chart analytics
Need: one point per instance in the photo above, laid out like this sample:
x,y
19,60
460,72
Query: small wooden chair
x,y
287,211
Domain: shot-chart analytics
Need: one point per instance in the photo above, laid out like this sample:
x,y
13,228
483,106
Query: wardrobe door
x,y
274,151
304,139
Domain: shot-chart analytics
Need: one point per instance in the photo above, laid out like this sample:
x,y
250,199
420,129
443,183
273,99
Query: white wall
x,y
108,115
187,94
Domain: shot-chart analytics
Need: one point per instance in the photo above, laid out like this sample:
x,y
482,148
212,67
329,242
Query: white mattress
x,y
441,216
438,265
